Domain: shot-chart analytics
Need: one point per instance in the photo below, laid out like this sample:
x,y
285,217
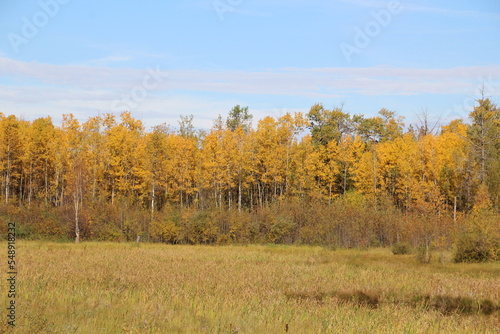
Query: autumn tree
x,y
369,129
484,136
186,127
334,184
327,125
385,127
350,149
11,151
158,159
183,178
96,155
239,117
270,165
41,158
75,169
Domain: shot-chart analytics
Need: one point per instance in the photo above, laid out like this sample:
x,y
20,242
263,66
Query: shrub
x,y
240,226
108,232
400,248
471,247
223,239
423,254
281,230
25,231
165,231
479,241
197,227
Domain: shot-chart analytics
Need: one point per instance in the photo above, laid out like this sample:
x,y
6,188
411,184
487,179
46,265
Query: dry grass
x,y
125,288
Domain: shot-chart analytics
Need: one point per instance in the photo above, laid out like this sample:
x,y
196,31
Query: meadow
x,y
157,288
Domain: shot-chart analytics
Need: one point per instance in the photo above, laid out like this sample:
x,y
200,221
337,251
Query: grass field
x,y
130,288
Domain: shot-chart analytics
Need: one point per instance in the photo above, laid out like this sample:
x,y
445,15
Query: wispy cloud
x,y
365,3
251,12
410,6
58,89
452,12
288,81
109,60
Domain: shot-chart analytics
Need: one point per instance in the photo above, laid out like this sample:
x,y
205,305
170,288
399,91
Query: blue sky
x,y
163,59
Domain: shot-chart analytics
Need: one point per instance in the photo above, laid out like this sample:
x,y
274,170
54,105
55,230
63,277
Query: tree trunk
x,y
239,194
455,210
77,223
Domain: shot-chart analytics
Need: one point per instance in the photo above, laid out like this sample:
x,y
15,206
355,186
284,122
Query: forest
x,y
323,178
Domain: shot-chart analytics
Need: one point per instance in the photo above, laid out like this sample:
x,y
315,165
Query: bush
x,y
424,254
196,227
281,230
165,231
25,231
400,248
472,248
479,241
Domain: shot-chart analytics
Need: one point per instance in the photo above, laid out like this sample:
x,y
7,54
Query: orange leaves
x,y
126,153
233,165
416,173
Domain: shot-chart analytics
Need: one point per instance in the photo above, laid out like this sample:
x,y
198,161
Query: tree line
x,y
326,162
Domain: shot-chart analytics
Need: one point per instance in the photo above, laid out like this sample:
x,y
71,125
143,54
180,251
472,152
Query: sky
x,y
163,59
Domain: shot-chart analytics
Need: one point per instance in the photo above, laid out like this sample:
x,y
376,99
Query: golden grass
x,y
125,288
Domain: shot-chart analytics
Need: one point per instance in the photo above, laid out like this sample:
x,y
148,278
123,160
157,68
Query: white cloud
x,y
86,90
452,12
288,81
407,5
109,60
